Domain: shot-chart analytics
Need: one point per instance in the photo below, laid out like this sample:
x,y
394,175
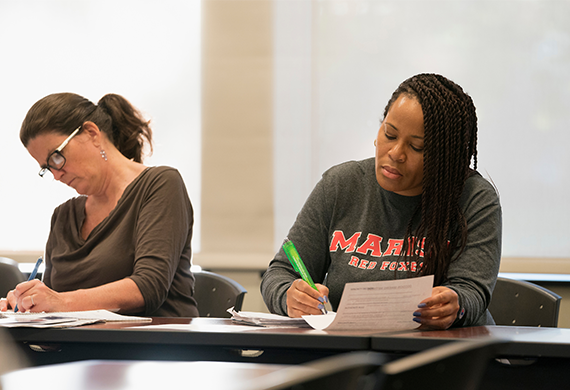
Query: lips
x,y
390,172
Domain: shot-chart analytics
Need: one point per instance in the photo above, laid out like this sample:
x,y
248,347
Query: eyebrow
x,y
395,128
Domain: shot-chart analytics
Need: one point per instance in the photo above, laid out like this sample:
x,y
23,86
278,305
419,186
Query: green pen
x,y
298,265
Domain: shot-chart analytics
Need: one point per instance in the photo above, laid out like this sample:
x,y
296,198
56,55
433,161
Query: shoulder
x,y
162,172
479,190
161,176
348,184
350,171
160,182
477,183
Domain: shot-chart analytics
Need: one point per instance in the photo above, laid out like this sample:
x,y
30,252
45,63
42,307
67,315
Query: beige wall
x,y
237,159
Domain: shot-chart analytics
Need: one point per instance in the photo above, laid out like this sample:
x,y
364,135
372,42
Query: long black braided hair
x,y
450,146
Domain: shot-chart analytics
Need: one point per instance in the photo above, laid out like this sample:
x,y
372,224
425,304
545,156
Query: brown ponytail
x,y
62,113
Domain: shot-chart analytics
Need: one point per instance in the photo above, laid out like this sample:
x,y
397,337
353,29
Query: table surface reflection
x,y
122,375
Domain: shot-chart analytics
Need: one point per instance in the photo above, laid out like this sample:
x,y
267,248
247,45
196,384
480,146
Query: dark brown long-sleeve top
x,y
146,238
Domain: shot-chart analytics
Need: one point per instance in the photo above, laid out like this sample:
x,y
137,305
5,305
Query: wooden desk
x,y
216,342
542,355
123,375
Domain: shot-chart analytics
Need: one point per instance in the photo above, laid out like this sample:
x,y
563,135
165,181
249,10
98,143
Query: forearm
x,y
122,295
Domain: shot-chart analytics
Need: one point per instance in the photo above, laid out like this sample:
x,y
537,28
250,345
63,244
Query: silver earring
x,y
103,154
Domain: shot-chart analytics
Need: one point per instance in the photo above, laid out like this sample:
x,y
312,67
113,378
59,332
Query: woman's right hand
x,y
34,296
302,299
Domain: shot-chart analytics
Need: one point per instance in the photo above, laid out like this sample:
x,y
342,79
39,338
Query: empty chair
x,y
353,370
455,365
521,303
10,275
216,293
458,365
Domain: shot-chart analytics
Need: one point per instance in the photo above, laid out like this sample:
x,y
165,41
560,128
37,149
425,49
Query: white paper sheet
x,y
10,319
215,328
376,306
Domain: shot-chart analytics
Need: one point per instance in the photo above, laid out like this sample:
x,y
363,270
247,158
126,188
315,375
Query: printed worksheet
x,y
376,306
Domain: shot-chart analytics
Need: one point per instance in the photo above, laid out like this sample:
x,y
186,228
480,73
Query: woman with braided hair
x,y
418,208
124,243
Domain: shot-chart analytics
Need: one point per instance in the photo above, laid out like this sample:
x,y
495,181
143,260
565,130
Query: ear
x,y
93,132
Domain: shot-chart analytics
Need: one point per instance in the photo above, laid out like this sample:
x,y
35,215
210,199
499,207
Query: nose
x,y
57,174
397,153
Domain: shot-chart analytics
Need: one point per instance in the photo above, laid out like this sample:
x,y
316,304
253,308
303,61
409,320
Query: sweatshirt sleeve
x,y
474,273
309,234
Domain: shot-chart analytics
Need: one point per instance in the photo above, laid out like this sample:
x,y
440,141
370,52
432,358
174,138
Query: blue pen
x,y
32,275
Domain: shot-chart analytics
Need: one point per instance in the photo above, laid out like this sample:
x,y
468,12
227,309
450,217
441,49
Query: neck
x,y
118,173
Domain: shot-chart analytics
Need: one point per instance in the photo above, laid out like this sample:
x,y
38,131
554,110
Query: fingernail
x,y
326,299
417,314
321,306
417,320
422,305
321,299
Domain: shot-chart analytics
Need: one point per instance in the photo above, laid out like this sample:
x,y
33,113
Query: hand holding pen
x,y
32,277
301,296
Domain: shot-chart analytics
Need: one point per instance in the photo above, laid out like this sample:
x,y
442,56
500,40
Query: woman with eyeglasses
x,y
124,242
417,208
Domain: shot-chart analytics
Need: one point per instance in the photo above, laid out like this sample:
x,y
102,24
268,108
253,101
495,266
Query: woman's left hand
x,y
438,311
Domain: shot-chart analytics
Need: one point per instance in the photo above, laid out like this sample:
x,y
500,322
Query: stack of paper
x,y
267,320
64,319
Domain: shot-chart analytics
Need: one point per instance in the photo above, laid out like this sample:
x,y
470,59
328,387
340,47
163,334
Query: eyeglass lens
x,y
56,160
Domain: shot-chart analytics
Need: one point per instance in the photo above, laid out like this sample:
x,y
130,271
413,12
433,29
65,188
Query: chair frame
x,y
542,310
10,270
236,289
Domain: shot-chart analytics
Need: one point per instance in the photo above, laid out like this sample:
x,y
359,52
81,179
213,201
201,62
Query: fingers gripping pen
x,y
298,265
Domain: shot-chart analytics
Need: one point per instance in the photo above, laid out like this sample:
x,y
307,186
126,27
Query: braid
x,y
450,142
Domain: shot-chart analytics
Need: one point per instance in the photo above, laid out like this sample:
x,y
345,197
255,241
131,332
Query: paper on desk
x,y
266,319
376,306
10,319
193,327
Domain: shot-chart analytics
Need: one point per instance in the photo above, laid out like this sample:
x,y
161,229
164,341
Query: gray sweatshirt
x,y
351,230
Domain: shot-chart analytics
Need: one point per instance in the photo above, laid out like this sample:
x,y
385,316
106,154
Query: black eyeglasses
x,y
56,160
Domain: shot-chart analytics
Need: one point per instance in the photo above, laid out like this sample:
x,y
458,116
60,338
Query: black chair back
x,y
458,365
10,275
216,293
453,366
521,303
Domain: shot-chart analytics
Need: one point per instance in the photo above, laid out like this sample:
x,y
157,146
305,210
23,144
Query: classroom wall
x,y
237,149
237,146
